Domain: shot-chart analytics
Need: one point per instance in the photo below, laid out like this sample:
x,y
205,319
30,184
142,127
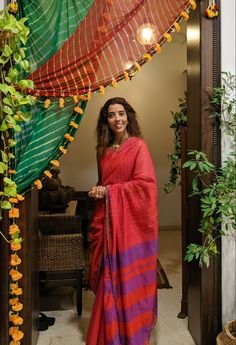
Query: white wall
x,y
153,92
2,4
228,29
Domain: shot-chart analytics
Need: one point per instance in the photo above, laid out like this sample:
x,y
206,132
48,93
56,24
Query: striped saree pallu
x,y
124,249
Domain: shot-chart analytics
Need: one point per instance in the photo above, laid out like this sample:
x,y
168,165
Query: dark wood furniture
x,y
61,252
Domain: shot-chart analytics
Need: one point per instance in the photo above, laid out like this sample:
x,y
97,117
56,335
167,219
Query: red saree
x,y
124,249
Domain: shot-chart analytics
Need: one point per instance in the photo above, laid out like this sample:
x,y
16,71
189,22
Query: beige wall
x,y
154,92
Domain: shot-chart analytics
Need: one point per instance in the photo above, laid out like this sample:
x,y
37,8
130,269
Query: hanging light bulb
x,y
147,34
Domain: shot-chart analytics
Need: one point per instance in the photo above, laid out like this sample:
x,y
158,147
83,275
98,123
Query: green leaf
x,y
26,84
17,57
3,126
12,142
10,190
193,165
7,51
3,167
7,109
187,164
4,88
5,158
9,181
6,205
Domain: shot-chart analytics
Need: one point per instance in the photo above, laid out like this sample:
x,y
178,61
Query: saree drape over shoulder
x,y
124,249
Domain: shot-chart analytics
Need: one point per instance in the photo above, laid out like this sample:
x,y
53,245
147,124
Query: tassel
x,y
47,173
55,163
63,150
89,95
102,89
193,4
38,184
184,15
167,37
126,75
68,137
158,48
138,67
147,57
61,102
76,99
177,27
73,124
114,83
78,110
47,103
83,97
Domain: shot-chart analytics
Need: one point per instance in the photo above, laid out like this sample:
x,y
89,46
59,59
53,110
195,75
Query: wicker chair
x,y
61,252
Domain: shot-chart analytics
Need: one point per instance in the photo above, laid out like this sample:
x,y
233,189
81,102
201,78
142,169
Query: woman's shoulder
x,y
137,141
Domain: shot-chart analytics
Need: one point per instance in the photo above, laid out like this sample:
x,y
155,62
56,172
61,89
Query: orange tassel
x,y
147,57
63,150
184,15
73,124
177,27
167,37
76,99
126,75
114,83
102,90
55,163
68,137
138,67
47,103
193,4
158,48
47,173
61,102
89,95
38,184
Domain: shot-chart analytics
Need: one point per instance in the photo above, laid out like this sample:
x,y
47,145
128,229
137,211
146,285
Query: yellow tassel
x,y
76,99
63,150
114,83
126,75
177,27
193,4
158,48
48,174
78,110
61,102
138,67
83,97
89,95
55,163
147,57
102,90
47,103
73,124
68,137
167,37
184,15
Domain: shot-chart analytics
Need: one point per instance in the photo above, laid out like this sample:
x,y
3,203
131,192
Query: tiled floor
x,y
71,330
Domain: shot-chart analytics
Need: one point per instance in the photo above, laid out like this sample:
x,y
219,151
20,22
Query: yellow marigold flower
x,y
64,151
38,184
75,98
12,171
167,37
61,102
55,162
13,7
17,307
177,27
68,137
17,291
102,90
114,83
14,212
13,285
13,229
15,333
15,200
16,320
126,75
13,301
78,110
15,274
15,260
20,197
138,67
89,95
184,15
47,173
73,124
147,57
158,48
83,98
47,103
15,246
193,4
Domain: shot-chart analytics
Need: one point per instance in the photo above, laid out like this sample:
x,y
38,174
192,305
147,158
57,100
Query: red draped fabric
x,y
124,249
106,44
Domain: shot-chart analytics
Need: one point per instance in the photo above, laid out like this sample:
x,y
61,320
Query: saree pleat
x,y
124,248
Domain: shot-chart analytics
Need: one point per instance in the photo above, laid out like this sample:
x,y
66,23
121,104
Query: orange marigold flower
x,y
63,150
20,197
138,67
177,27
114,83
102,90
47,103
17,307
184,15
61,102
13,7
73,124
55,162
13,301
12,171
15,274
78,110
13,342
167,37
193,4
15,246
13,229
68,137
15,333
13,285
15,260
14,212
126,75
89,95
14,200
16,320
38,184
17,291
47,173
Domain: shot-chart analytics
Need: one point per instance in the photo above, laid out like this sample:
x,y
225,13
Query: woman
x,y
123,232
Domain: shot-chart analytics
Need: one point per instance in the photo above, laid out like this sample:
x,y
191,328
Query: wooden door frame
x,y
203,285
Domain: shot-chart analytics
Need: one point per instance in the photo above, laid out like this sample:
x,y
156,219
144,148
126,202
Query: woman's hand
x,y
97,192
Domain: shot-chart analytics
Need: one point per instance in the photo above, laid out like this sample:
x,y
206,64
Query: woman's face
x,y
117,119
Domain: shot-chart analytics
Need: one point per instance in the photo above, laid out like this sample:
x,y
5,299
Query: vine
x,y
217,198
13,111
180,120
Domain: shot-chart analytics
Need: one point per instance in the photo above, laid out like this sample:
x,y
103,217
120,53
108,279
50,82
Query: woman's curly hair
x,y
105,136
